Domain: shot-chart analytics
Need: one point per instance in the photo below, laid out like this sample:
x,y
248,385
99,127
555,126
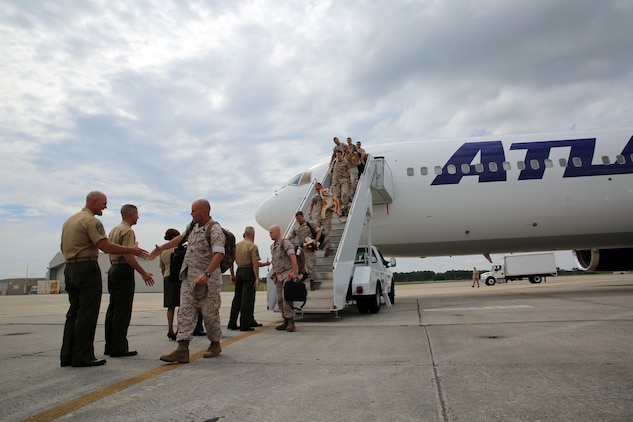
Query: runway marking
x,y
72,405
476,308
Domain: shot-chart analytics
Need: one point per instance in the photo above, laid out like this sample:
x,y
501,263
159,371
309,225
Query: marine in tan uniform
x,y
284,268
340,181
121,286
475,277
201,282
316,203
83,236
246,282
353,161
306,260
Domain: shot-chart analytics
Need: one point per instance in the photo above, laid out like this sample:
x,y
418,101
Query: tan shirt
x,y
282,265
165,262
340,170
245,253
121,235
80,235
301,231
199,253
317,204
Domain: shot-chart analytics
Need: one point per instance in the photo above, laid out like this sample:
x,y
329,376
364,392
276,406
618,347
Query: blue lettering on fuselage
x,y
579,163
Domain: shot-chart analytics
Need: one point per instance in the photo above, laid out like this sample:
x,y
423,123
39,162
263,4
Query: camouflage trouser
x,y
353,176
308,263
340,189
206,298
284,307
326,223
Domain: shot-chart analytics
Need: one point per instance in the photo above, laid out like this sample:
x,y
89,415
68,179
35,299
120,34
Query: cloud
x,y
161,102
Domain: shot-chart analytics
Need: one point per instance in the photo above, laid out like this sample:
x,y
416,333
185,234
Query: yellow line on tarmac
x,y
65,408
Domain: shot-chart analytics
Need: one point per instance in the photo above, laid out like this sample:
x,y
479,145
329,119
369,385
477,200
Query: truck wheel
x,y
490,281
392,293
374,301
536,279
362,304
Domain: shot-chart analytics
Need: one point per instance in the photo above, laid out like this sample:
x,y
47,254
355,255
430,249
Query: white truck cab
x,y
372,283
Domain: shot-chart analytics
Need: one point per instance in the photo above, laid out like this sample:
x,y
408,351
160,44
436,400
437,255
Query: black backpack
x,y
314,234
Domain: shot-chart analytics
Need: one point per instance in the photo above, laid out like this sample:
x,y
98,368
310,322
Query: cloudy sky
x,y
158,103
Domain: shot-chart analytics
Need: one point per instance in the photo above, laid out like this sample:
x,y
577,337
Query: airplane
x,y
569,190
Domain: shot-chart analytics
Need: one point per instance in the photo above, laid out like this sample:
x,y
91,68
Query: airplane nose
x,y
263,215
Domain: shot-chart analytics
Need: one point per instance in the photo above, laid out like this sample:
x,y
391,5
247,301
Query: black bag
x,y
177,257
314,234
295,291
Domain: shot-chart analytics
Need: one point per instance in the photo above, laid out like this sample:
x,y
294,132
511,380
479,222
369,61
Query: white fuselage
x,y
571,190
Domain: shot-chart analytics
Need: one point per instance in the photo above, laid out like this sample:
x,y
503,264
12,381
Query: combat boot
x,y
282,326
291,325
180,355
213,350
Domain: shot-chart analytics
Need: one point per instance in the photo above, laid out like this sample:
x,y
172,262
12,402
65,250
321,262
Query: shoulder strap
x,y
312,231
186,234
207,232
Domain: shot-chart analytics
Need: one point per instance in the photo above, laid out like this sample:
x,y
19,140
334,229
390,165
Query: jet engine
x,y
605,259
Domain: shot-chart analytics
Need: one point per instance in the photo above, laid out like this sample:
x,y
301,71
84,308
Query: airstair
x,y
334,272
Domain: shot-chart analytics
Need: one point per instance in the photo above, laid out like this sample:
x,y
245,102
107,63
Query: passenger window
x,y
438,170
576,161
562,162
424,171
360,256
535,164
451,169
521,165
605,160
410,171
620,159
548,163
479,168
507,166
493,167
465,168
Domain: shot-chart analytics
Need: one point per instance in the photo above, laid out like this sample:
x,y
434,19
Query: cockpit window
x,y
299,179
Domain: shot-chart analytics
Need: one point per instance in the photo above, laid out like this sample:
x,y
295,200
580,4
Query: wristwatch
x,y
208,274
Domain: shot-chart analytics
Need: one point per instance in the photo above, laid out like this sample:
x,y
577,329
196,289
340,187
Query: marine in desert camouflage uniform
x,y
284,268
201,281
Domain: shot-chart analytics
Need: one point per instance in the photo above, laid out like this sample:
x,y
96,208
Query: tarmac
x,y
556,351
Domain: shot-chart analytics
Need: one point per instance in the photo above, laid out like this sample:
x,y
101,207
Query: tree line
x,y
456,275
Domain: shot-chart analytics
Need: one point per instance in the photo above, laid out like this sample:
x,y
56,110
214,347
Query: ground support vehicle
x,y
535,267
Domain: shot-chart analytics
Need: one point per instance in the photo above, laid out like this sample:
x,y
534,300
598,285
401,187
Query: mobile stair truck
x,y
355,270
534,267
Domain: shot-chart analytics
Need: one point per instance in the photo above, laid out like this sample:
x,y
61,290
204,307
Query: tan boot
x,y
291,325
282,326
180,355
213,350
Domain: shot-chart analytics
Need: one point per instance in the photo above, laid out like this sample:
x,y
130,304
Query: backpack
x,y
312,231
229,248
314,234
177,257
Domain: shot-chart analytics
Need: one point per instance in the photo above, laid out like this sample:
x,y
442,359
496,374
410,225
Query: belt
x,y
245,268
81,259
118,261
